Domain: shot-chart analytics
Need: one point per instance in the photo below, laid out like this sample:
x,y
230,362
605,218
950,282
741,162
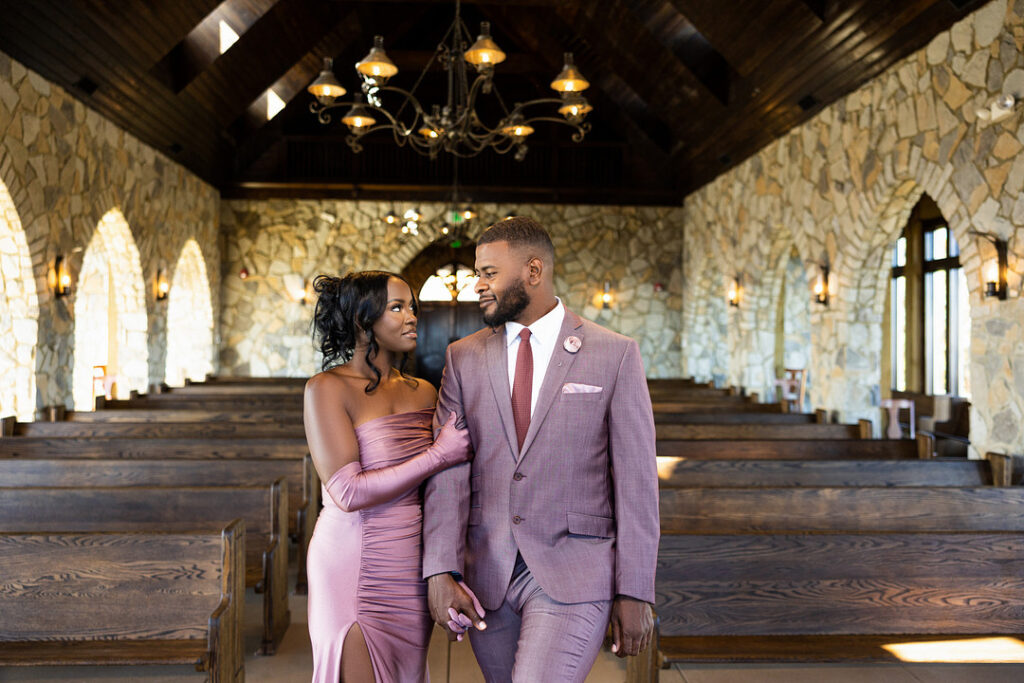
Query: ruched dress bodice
x,y
364,565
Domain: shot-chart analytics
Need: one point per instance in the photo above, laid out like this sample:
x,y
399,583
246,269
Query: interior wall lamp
x,y
994,272
733,294
162,286
821,293
1000,108
60,279
606,295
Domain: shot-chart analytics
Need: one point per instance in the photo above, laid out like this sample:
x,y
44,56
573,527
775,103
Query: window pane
x,y
434,289
899,253
939,246
899,333
937,315
954,248
963,336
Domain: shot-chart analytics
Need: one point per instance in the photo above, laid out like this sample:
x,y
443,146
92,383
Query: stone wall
x,y
65,167
284,243
839,189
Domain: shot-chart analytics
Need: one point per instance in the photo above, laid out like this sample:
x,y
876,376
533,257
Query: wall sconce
x,y
821,286
60,279
391,218
162,286
297,288
733,295
243,273
606,295
994,272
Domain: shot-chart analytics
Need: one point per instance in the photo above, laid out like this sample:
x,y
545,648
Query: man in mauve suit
x,y
554,523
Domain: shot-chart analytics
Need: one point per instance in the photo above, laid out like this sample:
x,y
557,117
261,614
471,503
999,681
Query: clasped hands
x,y
453,606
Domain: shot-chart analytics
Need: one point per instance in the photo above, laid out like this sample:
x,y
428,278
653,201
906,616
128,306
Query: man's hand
x,y
632,626
444,593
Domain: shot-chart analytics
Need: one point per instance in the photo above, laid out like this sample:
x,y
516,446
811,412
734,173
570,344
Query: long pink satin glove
x,y
353,489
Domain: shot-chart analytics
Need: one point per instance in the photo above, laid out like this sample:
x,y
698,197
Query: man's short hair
x,y
520,232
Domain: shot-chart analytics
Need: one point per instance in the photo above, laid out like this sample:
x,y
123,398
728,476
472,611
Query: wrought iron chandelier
x,y
453,127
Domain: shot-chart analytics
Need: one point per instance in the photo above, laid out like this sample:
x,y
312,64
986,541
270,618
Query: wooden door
x,y
441,323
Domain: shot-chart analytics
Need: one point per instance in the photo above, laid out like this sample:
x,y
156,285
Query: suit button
x,y
518,476
517,519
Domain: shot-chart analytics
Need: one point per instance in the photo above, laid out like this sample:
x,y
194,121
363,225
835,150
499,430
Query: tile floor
x,y
293,664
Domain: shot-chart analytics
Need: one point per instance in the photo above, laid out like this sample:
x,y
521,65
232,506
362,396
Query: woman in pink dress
x,y
369,431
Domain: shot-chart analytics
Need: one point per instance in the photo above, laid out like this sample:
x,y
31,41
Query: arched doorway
x,y
19,313
442,317
793,322
189,319
111,352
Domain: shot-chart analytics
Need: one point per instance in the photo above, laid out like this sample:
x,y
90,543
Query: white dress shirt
x,y
543,337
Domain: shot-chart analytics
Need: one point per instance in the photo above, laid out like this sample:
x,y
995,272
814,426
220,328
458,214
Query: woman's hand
x,y
453,443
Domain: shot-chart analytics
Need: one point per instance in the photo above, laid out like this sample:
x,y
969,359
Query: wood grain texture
x,y
264,510
727,405
680,472
60,588
752,417
221,415
858,509
781,584
755,431
161,430
785,449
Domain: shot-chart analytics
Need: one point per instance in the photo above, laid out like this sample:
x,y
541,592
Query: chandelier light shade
x,y
326,87
569,79
376,64
453,127
484,52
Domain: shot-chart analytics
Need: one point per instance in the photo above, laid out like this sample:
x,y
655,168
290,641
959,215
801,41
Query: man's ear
x,y
535,268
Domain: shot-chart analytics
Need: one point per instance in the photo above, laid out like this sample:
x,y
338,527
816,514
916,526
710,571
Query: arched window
x,y
189,319
19,313
440,285
929,311
111,328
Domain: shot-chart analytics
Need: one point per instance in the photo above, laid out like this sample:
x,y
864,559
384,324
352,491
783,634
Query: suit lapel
x,y
558,367
497,369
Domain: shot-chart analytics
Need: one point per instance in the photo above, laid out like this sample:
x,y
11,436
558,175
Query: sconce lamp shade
x,y
569,79
484,52
733,295
606,296
821,292
163,287
994,271
326,87
60,279
376,64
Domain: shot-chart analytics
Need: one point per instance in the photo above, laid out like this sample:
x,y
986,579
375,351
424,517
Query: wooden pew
x,y
217,402
747,431
680,472
832,574
716,406
745,417
262,508
795,449
124,598
224,414
155,430
219,381
137,462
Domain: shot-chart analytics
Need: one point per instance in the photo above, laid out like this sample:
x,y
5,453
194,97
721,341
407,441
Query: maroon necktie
x,y
522,387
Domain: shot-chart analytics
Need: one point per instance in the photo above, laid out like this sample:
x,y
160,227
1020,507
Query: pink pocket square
x,y
572,388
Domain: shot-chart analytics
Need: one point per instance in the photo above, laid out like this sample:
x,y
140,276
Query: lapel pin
x,y
572,344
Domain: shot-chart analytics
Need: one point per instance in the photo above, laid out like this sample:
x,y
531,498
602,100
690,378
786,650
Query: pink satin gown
x,y
364,566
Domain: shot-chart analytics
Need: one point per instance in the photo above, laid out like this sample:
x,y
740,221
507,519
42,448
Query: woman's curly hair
x,y
345,307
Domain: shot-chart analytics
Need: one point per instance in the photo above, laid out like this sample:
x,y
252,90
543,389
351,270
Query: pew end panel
x,y
925,446
126,598
1006,469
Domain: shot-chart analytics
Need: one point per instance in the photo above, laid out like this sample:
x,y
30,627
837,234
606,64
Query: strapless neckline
x,y
382,417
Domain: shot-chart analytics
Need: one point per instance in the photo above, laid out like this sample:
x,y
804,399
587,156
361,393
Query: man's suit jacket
x,y
580,502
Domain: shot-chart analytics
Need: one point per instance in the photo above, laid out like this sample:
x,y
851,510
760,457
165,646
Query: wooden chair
x,y
790,388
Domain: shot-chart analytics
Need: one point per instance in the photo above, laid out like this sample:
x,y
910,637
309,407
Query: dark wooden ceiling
x,y
682,89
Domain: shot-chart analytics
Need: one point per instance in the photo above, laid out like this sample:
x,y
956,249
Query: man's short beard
x,y
509,305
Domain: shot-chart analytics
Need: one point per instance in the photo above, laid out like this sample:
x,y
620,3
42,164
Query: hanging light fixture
x,y
454,127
